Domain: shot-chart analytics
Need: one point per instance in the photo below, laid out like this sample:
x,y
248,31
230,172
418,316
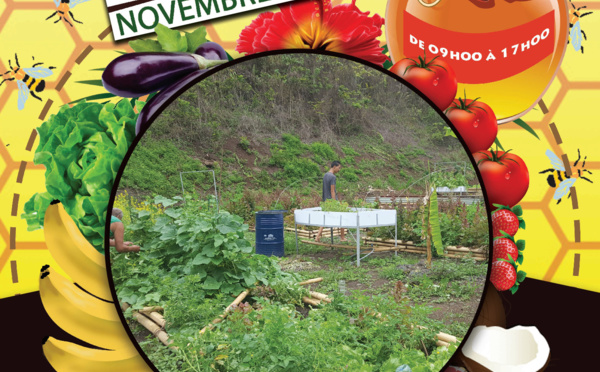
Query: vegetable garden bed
x,y
194,264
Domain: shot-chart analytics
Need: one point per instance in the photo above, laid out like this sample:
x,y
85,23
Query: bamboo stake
x,y
153,328
311,301
446,338
149,309
157,318
311,281
320,296
376,249
476,258
442,337
221,317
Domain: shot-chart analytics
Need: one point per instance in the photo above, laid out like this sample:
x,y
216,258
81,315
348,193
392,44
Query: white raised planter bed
x,y
357,218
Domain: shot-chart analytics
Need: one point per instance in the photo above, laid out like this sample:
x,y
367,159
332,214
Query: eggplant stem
x,y
204,63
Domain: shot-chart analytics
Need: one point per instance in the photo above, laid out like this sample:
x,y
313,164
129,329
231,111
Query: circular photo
x,y
299,212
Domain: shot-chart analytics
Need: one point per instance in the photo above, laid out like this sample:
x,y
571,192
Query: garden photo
x,y
299,212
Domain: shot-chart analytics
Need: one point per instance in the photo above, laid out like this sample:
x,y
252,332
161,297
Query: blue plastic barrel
x,y
269,233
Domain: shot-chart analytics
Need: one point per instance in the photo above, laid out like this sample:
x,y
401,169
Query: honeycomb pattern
x,y
551,242
552,236
74,51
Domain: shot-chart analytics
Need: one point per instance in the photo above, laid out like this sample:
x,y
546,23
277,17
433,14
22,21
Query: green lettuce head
x,y
82,148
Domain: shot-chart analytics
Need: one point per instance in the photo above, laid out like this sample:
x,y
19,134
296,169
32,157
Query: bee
x,y
558,173
576,33
29,80
64,7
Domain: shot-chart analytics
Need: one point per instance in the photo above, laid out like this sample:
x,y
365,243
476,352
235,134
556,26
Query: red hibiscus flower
x,y
316,25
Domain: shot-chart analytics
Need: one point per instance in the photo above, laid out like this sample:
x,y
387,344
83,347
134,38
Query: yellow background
x,y
572,100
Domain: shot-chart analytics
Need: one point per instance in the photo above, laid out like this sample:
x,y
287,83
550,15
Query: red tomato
x,y
475,121
435,78
505,176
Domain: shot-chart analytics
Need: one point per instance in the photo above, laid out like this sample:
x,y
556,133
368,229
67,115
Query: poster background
x,y
571,102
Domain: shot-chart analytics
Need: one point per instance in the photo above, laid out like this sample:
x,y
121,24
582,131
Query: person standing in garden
x,y
329,192
117,233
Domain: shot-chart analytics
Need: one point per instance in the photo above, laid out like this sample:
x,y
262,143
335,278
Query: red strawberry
x,y
503,276
507,220
504,247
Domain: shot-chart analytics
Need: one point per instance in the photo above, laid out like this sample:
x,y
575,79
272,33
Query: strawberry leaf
x,y
521,275
518,210
520,245
500,207
507,236
514,289
520,259
522,224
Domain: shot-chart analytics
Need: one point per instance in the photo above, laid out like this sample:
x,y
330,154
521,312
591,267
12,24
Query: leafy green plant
x,y
171,41
82,148
189,244
324,151
332,205
301,168
245,143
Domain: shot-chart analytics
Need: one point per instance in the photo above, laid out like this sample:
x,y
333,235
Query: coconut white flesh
x,y
518,349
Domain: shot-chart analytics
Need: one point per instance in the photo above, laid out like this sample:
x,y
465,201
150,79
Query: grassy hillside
x,y
279,121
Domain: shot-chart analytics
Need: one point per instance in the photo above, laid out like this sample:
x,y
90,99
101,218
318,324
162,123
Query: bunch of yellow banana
x,y
88,315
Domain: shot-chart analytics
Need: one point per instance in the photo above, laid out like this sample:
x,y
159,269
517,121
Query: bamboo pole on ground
x,y
157,318
149,309
150,325
311,301
311,281
345,246
154,328
320,296
221,317
442,337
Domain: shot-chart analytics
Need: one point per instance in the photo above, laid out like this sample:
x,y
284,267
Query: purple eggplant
x,y
211,50
137,74
162,99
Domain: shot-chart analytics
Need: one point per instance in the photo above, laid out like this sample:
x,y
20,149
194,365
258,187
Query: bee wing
x,y
564,187
72,3
576,37
38,72
56,2
555,161
23,94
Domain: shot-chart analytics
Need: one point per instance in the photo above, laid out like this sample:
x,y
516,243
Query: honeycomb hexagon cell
x,y
2,8
543,242
33,180
581,272
52,44
577,118
565,215
581,67
27,264
94,20
5,162
16,126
